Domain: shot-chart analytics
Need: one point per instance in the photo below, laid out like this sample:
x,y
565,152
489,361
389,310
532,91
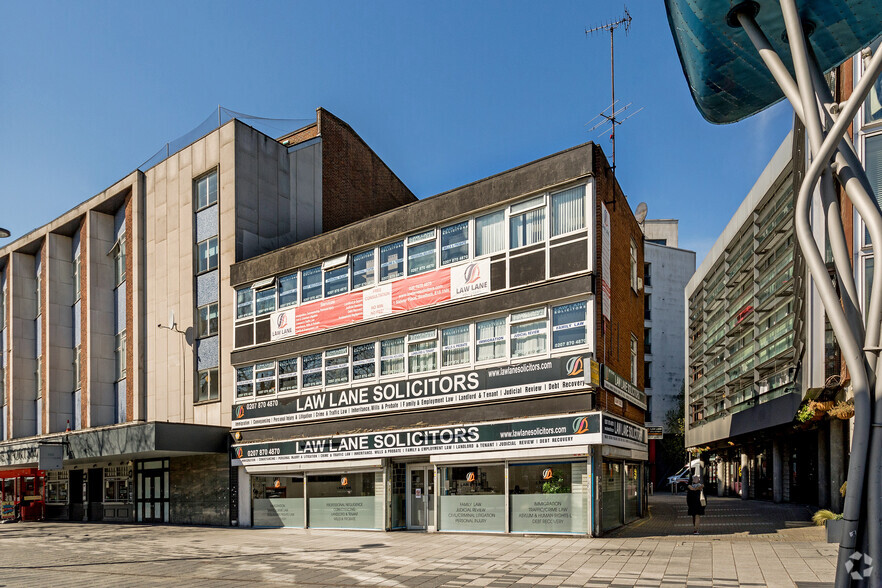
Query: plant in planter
x,y
832,521
813,411
844,410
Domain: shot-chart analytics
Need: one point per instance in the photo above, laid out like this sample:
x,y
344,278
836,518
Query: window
x,y
363,269
206,324
119,261
489,233
421,252
206,253
208,385
311,288
364,361
287,375
312,370
287,291
633,359
633,265
455,343
76,277
647,341
392,356
120,356
265,301
337,366
206,190
568,211
244,303
245,382
76,367
527,223
647,307
647,374
422,352
490,339
648,415
265,378
455,243
391,261
528,335
336,281
568,325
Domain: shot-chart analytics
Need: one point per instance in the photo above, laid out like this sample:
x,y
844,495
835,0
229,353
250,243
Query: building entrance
x,y
420,496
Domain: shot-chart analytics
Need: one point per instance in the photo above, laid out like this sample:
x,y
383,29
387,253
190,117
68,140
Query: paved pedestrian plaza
x,y
743,544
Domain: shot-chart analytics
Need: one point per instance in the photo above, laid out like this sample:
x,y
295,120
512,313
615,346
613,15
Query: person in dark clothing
x,y
694,495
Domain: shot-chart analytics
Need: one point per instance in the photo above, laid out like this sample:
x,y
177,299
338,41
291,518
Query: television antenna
x,y
613,116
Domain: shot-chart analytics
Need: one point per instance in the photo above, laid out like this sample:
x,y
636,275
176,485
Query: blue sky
x,y
446,93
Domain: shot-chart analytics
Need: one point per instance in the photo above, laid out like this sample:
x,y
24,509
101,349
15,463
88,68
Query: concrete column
x,y
837,444
744,476
721,478
777,472
824,467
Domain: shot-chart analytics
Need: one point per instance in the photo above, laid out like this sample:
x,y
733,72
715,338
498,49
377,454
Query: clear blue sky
x,y
446,93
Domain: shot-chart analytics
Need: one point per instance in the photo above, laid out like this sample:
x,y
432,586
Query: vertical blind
x,y
567,211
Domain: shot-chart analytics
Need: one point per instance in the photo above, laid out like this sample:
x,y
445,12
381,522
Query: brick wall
x,y
355,181
626,305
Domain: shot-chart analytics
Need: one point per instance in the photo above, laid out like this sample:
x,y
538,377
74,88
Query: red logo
x,y
470,477
277,483
546,474
239,452
344,481
240,411
580,425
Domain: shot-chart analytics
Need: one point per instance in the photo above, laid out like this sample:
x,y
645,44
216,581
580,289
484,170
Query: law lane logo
x,y
472,273
580,425
239,452
240,411
547,473
282,320
470,477
851,564
344,481
575,366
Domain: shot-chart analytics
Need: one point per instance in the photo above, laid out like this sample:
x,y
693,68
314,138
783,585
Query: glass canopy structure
x,y
740,58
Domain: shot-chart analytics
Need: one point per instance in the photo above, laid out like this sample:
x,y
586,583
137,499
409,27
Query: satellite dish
x,y
171,319
640,213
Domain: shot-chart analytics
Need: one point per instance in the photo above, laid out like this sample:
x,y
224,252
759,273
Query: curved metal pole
x,y
853,356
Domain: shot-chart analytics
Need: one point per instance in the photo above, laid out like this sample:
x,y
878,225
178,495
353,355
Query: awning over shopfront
x,y
129,441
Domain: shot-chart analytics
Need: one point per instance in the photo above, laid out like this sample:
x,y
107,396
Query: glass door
x,y
420,496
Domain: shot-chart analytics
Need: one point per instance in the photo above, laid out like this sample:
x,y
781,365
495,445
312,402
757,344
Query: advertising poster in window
x,y
605,253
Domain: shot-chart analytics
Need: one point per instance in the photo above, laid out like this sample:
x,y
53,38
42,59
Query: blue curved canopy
x,y
726,76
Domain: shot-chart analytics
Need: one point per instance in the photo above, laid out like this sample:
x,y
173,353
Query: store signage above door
x,y
623,434
559,431
531,378
619,385
465,280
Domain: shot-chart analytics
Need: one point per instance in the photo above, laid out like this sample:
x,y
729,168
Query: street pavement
x,y
743,544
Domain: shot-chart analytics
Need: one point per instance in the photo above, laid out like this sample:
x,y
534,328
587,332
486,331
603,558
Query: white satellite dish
x,y
640,213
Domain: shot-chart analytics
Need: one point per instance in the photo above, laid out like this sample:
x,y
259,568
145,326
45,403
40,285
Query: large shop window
x,y
549,497
472,498
345,501
612,495
278,501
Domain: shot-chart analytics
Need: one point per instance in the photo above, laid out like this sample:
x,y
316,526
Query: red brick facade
x,y
626,304
356,183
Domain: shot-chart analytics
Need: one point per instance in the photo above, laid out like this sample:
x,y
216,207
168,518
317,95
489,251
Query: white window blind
x,y
567,211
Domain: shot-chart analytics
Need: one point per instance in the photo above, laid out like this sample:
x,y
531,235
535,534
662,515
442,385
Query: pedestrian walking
x,y
695,501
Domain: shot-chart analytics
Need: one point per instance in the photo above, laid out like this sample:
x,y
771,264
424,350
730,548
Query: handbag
x,y
701,499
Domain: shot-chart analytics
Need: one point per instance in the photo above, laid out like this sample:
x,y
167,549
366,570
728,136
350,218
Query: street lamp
x,y
730,82
4,233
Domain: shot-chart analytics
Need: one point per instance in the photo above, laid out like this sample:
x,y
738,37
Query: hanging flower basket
x,y
843,410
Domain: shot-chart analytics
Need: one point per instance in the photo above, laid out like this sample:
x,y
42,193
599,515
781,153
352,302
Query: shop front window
x,y
345,501
472,498
549,497
612,495
632,491
277,501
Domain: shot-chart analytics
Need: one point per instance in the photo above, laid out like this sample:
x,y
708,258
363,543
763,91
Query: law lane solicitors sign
x,y
482,385
560,431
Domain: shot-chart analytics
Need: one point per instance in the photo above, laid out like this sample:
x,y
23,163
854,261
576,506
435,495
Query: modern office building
x,y
116,320
759,349
435,366
666,272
